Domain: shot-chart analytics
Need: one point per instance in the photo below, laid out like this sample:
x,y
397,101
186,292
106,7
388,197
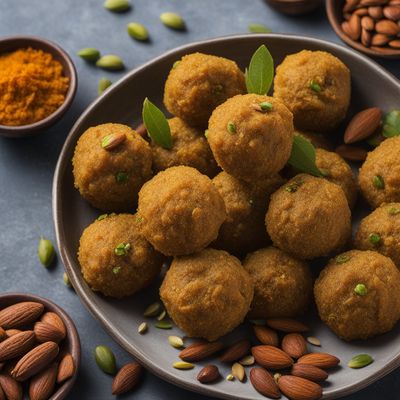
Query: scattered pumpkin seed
x,y
259,28
152,310
206,133
314,341
238,371
183,365
230,377
105,359
117,5
378,182
137,31
342,258
116,270
315,86
175,341
360,289
266,106
122,249
162,315
121,177
66,280
277,376
247,360
110,62
46,252
394,211
89,54
104,83
172,20
360,361
142,328
231,127
374,238
164,325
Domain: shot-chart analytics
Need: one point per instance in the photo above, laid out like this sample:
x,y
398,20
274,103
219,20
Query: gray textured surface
x,y
26,166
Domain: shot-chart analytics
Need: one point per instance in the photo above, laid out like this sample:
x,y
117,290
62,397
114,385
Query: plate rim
x,y
63,163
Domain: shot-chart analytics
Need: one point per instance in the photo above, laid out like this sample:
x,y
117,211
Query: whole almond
x,y
387,27
287,325
55,320
16,345
199,351
361,12
392,12
127,378
235,351
350,5
11,388
395,43
20,314
294,344
66,368
208,374
296,388
42,385
266,335
271,357
375,12
320,360
367,23
363,125
351,153
355,27
309,372
47,333
34,361
264,383
346,28
3,334
379,39
12,332
366,37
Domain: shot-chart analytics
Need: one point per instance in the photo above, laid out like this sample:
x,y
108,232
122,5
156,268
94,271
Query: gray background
x,y
27,165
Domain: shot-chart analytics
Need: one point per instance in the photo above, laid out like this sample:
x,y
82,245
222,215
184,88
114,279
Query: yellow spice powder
x,y
32,86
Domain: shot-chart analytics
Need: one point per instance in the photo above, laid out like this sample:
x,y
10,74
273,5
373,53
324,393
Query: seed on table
x,y
183,365
137,31
104,84
175,341
105,359
110,62
117,5
142,328
89,54
172,20
152,310
46,252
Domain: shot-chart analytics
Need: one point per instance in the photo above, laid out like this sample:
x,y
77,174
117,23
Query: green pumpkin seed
x,y
230,377
104,83
259,28
162,315
105,359
314,341
46,252
142,328
360,289
89,54
374,238
175,341
164,325
266,106
182,365
360,361
315,86
231,127
378,182
342,258
110,62
137,31
117,5
152,310
172,20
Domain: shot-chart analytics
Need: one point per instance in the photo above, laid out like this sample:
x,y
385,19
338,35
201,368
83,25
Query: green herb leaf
x,y
391,124
360,361
122,249
303,156
259,28
156,124
260,73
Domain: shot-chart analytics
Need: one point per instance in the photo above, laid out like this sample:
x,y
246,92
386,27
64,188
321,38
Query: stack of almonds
x,y
374,23
30,352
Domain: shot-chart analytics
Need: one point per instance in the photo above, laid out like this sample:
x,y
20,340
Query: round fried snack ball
x,y
380,231
315,86
356,294
336,170
190,148
111,179
248,142
115,258
198,84
282,285
246,205
308,217
379,177
207,294
181,211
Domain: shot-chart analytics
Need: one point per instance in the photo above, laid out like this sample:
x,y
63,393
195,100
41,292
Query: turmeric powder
x,y
32,86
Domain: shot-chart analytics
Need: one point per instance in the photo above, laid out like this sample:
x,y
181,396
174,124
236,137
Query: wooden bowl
x,y
335,15
11,43
294,7
71,343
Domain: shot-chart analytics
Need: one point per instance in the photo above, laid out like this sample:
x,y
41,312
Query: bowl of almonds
x,y
39,348
370,26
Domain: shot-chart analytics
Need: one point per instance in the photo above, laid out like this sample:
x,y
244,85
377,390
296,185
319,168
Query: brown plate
x,y
122,102
71,342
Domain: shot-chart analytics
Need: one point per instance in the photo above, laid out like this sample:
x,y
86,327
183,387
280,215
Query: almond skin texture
x,y
264,383
363,125
296,388
34,361
387,27
271,357
208,374
309,372
66,369
266,335
11,388
351,153
12,332
294,344
236,351
55,320
20,314
320,360
127,378
16,345
47,333
287,325
3,334
42,385
199,351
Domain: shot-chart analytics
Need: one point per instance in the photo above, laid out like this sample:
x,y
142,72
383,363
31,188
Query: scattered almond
x,y
16,345
42,385
264,383
271,357
294,344
238,372
351,153
47,333
11,388
20,314
363,125
235,351
309,372
387,27
314,341
296,388
200,350
320,360
127,378
12,332
208,374
287,325
66,368
266,335
55,320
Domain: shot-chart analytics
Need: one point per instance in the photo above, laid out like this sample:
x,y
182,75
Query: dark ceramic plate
x,y
372,86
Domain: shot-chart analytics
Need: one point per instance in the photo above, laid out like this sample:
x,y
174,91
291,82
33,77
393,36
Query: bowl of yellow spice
x,y
37,85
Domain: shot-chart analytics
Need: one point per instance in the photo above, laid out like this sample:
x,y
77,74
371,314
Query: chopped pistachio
x,y
360,289
374,238
360,361
342,258
230,377
394,211
175,64
231,127
378,182
294,186
116,270
315,86
266,106
102,216
122,249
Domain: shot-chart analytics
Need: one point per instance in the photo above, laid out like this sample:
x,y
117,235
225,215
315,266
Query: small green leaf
x,y
260,73
303,156
156,124
360,361
259,28
391,124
